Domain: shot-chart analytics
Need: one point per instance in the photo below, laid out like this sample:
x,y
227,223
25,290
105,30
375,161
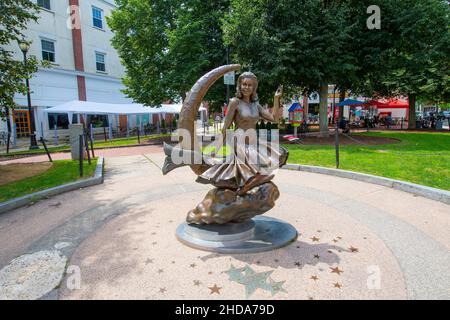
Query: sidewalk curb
x,y
416,189
22,201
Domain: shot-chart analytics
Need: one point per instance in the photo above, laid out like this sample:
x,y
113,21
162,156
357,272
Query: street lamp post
x,y
336,128
24,46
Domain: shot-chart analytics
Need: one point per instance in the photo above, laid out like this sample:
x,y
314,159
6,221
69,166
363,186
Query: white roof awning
x,y
86,107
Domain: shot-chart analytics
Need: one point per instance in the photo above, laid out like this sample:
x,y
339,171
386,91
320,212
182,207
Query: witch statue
x,y
242,175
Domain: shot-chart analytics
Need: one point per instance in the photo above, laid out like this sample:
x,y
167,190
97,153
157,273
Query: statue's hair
x,y
250,75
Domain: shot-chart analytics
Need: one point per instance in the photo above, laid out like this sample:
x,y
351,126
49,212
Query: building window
x,y
97,17
44,4
61,120
100,61
48,50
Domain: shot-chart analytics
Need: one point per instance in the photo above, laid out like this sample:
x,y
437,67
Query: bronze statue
x,y
242,180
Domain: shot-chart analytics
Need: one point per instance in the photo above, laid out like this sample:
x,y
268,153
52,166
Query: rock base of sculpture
x,y
255,235
224,205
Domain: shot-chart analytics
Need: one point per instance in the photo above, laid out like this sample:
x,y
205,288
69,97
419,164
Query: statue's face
x,y
247,86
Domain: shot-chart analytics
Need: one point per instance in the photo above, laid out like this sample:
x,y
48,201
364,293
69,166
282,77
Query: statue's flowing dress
x,y
251,155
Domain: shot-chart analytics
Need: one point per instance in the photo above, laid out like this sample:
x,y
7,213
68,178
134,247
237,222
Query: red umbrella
x,y
376,103
394,103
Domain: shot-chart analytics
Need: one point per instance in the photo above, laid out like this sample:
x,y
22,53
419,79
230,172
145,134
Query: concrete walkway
x,y
357,240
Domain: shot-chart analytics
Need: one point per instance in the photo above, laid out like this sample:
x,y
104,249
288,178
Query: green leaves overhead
x,y
167,45
298,43
15,14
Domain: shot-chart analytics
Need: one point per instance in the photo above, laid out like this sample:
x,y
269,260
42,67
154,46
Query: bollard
x,y
87,146
104,133
81,155
138,136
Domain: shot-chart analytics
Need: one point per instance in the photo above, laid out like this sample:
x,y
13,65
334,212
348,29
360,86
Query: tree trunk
x,y
323,110
341,98
305,106
412,111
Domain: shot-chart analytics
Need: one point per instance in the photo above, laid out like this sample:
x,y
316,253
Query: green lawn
x,y
36,151
126,141
97,144
62,171
422,158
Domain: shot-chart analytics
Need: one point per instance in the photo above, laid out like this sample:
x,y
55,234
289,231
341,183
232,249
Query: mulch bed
x,y
343,140
156,141
18,171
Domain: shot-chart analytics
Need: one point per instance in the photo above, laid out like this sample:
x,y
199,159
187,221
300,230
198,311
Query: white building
x,y
74,37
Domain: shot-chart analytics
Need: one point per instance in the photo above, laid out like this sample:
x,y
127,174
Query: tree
x,y
167,45
15,14
408,55
196,46
301,44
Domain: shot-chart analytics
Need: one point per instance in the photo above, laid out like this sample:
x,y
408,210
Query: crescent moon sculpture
x,y
231,200
187,119
223,222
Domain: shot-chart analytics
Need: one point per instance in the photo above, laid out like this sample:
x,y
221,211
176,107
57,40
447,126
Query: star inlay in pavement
x,y
162,290
154,243
215,289
197,282
315,239
276,287
192,265
315,278
340,238
319,231
353,249
276,260
334,240
210,272
253,280
336,270
338,285
160,270
298,264
148,261
316,256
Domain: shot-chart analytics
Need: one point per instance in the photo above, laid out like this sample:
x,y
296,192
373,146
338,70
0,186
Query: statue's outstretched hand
x,y
279,92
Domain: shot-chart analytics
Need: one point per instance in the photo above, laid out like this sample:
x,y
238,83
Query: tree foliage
x,y
298,43
166,45
15,14
409,54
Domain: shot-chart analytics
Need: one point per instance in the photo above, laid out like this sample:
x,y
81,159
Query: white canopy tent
x,y
113,111
87,107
